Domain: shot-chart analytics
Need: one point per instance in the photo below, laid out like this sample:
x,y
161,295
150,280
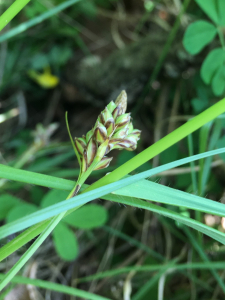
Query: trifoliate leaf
x,y
53,197
210,8
212,62
87,217
218,82
20,211
198,35
65,242
7,202
221,12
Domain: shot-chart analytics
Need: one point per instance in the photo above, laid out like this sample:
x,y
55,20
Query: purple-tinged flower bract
x,y
113,130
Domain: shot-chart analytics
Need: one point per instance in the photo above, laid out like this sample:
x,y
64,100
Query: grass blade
x,y
56,287
25,257
219,265
64,184
24,26
11,12
204,257
81,199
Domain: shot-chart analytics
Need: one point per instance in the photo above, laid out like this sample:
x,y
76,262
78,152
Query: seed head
x,y
80,144
100,133
121,101
113,130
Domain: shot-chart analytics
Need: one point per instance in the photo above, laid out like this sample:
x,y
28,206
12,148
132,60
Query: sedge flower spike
x,y
113,130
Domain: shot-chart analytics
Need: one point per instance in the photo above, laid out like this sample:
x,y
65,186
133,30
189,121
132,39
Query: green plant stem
x,y
161,59
24,26
11,12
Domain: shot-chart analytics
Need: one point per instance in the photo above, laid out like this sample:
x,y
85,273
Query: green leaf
x,y
211,64
33,9
162,144
218,82
88,217
59,55
65,242
60,288
219,143
221,10
213,233
152,191
39,61
83,198
36,194
87,196
32,232
7,16
198,105
20,211
198,35
7,202
210,8
53,197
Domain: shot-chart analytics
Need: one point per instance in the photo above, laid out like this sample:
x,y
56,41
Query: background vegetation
x,y
76,56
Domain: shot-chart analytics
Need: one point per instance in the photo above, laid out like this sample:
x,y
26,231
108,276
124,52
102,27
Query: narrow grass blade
x,y
203,143
204,257
134,242
64,184
213,233
25,257
56,287
11,12
219,265
149,284
22,239
212,144
152,191
81,199
192,164
24,26
35,178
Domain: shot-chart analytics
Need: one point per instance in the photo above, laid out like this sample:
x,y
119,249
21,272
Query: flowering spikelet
x,y
113,130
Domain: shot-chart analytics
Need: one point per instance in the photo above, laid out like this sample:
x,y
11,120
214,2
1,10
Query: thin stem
x,y
11,12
